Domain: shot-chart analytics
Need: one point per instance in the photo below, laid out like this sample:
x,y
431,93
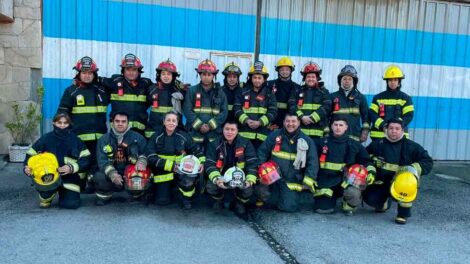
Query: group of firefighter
x,y
261,143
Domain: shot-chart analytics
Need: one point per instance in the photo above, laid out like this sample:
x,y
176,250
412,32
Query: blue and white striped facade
x,y
429,40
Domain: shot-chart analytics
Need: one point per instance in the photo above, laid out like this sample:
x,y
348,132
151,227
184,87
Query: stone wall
x,y
20,59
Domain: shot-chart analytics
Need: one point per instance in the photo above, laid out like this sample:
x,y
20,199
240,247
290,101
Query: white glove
x,y
176,99
301,158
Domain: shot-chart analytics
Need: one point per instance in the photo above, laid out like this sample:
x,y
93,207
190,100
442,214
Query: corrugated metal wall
x,y
430,40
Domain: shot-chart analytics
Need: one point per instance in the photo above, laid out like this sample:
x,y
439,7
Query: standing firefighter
x,y
54,161
289,156
231,164
86,102
205,105
129,92
255,108
232,86
352,103
165,151
392,103
400,162
282,87
164,96
311,103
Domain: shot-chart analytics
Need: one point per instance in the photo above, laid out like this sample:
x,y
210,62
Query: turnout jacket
x,y
389,156
314,102
354,106
113,156
281,148
164,152
387,105
282,90
221,156
129,97
87,105
231,95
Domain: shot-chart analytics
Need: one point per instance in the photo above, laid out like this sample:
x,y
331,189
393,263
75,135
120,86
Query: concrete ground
x,y
130,232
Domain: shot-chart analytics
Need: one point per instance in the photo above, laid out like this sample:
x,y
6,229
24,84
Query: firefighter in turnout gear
x,y
282,87
205,105
391,103
390,155
86,102
164,151
231,150
129,92
116,149
311,103
255,108
232,86
336,153
295,154
71,156
352,103
165,96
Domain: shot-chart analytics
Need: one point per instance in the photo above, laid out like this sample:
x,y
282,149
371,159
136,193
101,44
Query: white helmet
x,y
234,177
189,166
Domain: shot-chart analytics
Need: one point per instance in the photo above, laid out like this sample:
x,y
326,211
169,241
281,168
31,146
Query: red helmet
x,y
207,66
136,181
311,67
167,65
130,60
269,172
86,64
356,175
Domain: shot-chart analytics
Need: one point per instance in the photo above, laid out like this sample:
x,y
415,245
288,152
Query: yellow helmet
x,y
404,186
258,68
393,72
44,170
285,61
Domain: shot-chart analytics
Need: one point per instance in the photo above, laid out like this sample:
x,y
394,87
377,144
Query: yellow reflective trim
x,y
308,181
149,134
365,125
261,136
332,166
31,152
243,118
89,137
377,134
241,165
176,158
352,110
129,98
354,137
324,192
89,109
161,109
230,107
294,187
255,110
108,169
103,196
374,107
299,113
284,155
72,187
206,110
264,120
392,101
168,165
251,178
214,175
315,117
378,122
417,168
197,139
189,193
407,109
47,200
248,135
212,123
309,106
405,205
281,105
197,123
313,132
137,125
390,166
84,153
163,177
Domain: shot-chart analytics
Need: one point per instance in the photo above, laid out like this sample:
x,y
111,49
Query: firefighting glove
x,y
116,179
378,161
301,158
370,177
176,99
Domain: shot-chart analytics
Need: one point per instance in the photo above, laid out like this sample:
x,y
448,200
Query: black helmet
x,y
348,70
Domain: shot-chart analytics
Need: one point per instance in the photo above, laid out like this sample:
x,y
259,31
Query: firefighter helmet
x,y
348,70
393,72
258,68
136,181
44,170
169,66
404,186
311,67
234,177
269,172
207,66
285,62
356,175
189,166
132,61
232,68
86,64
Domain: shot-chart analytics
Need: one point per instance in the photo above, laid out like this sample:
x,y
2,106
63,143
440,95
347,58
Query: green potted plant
x,y
24,126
